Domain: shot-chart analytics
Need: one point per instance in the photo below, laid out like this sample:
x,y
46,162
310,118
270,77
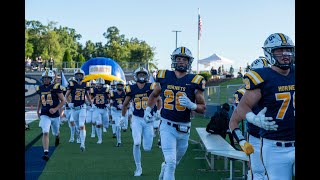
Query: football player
x,y
111,121
68,112
89,119
117,97
100,96
139,94
252,131
79,90
273,89
50,101
181,93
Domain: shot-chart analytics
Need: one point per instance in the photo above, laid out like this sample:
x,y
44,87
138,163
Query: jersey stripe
x,y
255,77
152,86
161,73
196,79
242,91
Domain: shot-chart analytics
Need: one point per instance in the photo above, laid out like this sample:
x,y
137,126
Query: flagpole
x,y
198,40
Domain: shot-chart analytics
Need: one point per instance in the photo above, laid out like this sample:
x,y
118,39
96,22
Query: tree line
x,y
62,44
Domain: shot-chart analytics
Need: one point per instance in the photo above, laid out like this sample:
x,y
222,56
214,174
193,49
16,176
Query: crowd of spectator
x,y
38,64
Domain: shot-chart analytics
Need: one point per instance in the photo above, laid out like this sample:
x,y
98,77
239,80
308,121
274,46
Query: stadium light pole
x,y
176,37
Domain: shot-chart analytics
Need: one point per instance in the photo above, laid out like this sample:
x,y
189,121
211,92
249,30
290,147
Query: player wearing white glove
x,y
261,120
185,101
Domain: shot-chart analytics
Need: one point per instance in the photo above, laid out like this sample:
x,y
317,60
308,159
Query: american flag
x,y
199,27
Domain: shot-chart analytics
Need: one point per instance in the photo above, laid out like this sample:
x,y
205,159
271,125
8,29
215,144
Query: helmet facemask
x,y
120,86
78,77
181,52
142,77
182,67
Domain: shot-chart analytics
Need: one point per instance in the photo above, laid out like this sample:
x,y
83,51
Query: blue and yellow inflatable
x,y
103,67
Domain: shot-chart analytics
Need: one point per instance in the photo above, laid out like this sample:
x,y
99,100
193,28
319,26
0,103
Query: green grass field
x,y
105,161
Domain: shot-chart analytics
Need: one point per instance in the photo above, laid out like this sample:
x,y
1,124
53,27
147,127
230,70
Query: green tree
x,y
28,48
67,60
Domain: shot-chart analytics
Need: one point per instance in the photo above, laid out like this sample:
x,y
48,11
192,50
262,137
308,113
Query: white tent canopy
x,y
215,59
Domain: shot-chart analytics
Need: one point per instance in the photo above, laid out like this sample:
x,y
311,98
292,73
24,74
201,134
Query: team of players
x,y
267,104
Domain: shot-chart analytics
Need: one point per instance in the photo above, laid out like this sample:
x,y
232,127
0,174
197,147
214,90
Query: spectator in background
x,y
219,70
40,61
222,69
231,71
213,71
51,63
28,64
247,68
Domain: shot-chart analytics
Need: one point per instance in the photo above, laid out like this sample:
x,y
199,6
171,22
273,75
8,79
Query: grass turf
x,y
105,161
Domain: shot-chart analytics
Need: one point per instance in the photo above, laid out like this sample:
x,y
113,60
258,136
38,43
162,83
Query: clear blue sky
x,y
233,29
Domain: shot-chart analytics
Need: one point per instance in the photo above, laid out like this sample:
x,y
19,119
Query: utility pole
x,y
176,36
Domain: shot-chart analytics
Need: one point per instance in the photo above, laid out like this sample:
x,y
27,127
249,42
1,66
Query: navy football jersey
x,y
117,98
78,92
278,95
173,87
140,97
100,96
49,98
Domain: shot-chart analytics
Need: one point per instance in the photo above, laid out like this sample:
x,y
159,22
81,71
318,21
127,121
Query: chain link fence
x,y
215,96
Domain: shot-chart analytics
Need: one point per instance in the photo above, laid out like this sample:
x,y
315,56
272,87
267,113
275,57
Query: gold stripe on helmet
x,y
182,50
283,39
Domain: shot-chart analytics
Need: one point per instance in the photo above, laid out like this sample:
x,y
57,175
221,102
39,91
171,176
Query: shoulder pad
x,y
197,79
152,86
161,74
254,77
56,86
128,89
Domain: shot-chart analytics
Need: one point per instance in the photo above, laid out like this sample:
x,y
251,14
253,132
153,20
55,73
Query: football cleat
x,y
45,157
138,172
71,140
93,135
124,130
104,129
118,145
27,127
99,142
82,148
114,135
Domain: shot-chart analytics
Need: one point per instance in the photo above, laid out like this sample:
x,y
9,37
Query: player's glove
x,y
157,115
147,115
245,146
185,101
71,105
261,120
122,120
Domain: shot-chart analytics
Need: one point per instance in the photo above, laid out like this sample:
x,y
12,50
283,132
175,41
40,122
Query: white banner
x,y
100,69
